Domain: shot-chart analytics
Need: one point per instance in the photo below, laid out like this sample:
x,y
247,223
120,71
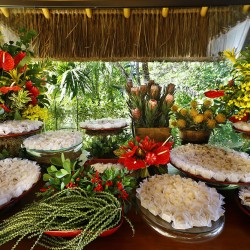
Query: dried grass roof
x,y
145,36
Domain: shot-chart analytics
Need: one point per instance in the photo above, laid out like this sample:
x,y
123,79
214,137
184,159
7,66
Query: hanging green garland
x,y
69,209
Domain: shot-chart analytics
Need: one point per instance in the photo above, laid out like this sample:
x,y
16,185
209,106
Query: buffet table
x,y
235,235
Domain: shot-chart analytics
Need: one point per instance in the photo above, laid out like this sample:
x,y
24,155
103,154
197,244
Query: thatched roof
x,y
146,35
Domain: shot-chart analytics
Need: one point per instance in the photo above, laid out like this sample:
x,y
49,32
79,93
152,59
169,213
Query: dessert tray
x,y
14,128
18,177
212,164
181,208
242,127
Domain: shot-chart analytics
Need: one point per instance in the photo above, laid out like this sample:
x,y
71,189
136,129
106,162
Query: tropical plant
x,y
22,83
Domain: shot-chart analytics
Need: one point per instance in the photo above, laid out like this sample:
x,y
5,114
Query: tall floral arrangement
x,y
150,104
235,94
22,84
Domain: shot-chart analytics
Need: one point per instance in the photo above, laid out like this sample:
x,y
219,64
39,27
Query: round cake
x,y
212,162
181,201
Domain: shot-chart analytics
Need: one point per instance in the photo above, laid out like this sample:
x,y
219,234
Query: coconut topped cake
x,y
101,167
16,176
19,126
104,123
181,201
53,140
244,195
212,162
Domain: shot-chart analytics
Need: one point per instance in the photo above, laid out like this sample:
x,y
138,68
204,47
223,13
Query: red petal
x,y
19,57
214,93
6,61
5,108
134,164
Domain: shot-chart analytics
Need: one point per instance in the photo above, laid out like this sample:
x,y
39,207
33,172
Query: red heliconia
x,y
214,93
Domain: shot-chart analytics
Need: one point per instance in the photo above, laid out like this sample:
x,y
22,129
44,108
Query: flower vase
x,y
194,136
157,134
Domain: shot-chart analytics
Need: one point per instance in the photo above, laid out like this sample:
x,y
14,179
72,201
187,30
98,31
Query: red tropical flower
x,y
5,90
18,58
34,91
5,108
29,85
6,61
214,93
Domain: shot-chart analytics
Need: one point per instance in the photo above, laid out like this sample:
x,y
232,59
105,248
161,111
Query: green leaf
x,y
62,185
61,173
46,177
52,169
67,165
56,161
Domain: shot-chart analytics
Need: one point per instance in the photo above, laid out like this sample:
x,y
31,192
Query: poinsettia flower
x,y
214,93
5,108
6,61
5,90
18,58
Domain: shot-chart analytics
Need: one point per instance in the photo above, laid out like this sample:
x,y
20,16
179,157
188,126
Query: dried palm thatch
x,y
145,36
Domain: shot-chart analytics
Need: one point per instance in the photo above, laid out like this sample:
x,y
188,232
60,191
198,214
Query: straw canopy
x,y
142,34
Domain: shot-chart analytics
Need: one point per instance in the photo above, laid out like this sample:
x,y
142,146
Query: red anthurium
x,y
214,93
132,163
6,61
163,155
147,144
5,108
151,158
19,57
5,90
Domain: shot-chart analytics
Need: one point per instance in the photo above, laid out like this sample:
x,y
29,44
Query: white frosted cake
x,y
211,162
104,123
53,140
181,201
16,176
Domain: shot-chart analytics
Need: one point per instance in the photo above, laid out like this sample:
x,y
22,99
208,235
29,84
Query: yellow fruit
x,y
207,103
208,113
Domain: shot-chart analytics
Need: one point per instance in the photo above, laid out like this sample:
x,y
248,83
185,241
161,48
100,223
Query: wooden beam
x,y
5,11
203,11
164,12
126,12
118,4
46,13
245,9
88,12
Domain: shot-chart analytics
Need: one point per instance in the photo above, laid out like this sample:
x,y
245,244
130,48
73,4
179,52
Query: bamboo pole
x,y
88,12
5,11
46,13
203,11
164,12
126,12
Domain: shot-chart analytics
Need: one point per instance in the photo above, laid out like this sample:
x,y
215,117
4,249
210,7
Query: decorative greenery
x,y
69,209
64,174
150,105
22,84
198,116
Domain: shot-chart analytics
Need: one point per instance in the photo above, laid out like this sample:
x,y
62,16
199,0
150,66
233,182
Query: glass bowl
x,y
44,156
192,235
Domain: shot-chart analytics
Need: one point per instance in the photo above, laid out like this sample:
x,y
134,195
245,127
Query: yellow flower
x,y
211,123
193,104
174,108
220,118
199,118
208,113
230,55
173,123
181,123
36,113
193,112
207,103
183,111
